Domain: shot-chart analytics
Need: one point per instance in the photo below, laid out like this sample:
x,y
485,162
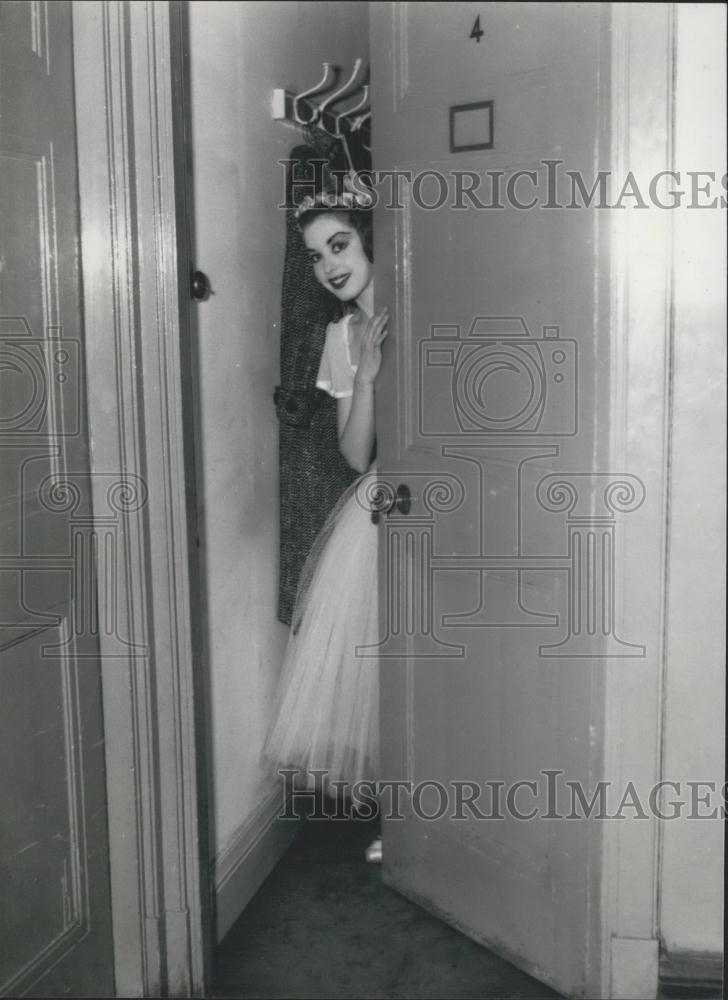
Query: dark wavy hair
x,y
359,219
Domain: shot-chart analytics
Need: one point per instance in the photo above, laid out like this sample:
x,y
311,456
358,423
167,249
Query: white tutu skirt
x,y
326,713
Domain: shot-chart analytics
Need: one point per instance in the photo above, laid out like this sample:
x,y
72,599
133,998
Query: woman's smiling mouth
x,y
340,281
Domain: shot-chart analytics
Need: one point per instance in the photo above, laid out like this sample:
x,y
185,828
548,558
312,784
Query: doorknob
x,y
402,501
199,286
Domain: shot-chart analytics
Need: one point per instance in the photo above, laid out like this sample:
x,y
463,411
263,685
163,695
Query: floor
x,y
323,925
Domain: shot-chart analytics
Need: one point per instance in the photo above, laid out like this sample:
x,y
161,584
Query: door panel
x,y
56,929
493,408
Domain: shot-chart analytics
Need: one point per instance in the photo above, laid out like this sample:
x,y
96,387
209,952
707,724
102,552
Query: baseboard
x,y
247,859
689,968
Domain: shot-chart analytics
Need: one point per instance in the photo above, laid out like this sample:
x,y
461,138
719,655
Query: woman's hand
x,y
370,349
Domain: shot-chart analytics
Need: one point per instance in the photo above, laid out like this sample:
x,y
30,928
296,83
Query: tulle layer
x,y
327,708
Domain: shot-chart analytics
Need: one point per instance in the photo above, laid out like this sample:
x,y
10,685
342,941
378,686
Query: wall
x,y
238,54
691,913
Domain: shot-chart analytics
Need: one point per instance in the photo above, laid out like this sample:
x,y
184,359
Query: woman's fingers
x,y
375,341
374,333
377,324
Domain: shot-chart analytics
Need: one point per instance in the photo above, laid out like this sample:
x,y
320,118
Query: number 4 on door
x,y
477,32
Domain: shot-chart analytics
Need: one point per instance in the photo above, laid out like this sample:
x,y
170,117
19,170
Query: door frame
x,y
135,267
641,319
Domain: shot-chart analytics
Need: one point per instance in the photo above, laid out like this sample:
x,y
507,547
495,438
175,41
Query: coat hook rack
x,y
302,112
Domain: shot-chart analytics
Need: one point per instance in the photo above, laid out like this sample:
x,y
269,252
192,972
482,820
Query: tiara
x,y
348,198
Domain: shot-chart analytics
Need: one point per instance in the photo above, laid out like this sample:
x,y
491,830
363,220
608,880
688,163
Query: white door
x,y
55,927
499,615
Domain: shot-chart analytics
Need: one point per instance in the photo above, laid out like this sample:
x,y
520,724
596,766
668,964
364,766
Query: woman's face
x,y
338,258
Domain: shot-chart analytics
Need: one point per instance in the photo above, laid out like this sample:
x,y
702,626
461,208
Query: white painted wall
x,y
691,911
238,53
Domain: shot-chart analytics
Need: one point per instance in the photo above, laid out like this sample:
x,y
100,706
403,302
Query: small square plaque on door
x,y
471,126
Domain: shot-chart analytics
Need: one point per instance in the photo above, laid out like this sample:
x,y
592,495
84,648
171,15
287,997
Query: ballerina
x,y
326,716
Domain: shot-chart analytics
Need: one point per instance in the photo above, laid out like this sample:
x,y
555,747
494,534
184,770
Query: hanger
x,y
337,95
359,120
350,111
357,124
323,84
340,134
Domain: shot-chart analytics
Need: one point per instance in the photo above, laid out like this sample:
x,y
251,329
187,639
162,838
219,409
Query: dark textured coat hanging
x,y
313,473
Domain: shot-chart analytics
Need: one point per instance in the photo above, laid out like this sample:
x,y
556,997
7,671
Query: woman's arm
x,y
356,426
355,413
